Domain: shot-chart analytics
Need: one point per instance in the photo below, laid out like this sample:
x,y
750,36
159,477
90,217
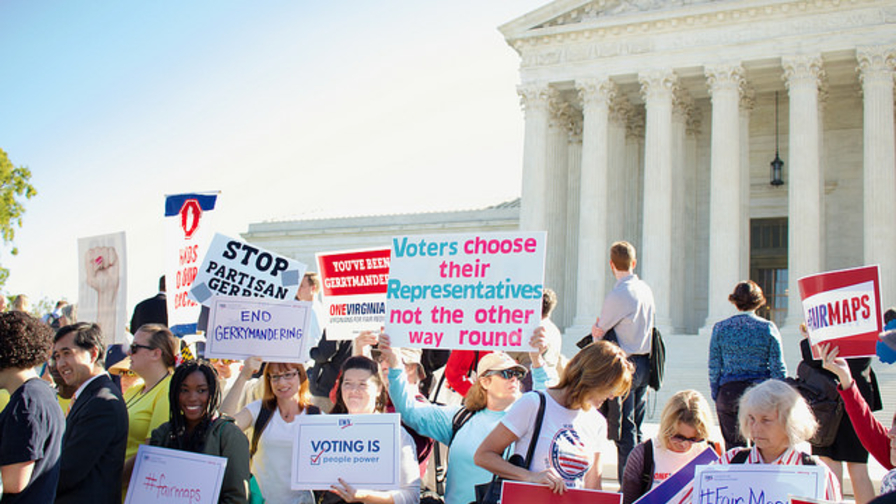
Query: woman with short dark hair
x,y
744,349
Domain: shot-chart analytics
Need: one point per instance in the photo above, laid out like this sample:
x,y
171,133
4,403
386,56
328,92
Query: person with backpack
x,y
560,431
462,428
684,433
273,419
774,418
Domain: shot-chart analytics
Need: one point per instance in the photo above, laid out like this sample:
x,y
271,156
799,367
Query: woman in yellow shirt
x,y
152,357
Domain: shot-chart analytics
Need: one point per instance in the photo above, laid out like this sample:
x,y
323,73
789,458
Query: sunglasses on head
x,y
682,439
508,373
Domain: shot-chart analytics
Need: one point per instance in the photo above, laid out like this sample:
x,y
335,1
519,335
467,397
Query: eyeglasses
x,y
285,376
682,439
126,373
226,362
136,346
508,373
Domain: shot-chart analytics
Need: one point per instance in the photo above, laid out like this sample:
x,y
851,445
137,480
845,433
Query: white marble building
x,y
654,121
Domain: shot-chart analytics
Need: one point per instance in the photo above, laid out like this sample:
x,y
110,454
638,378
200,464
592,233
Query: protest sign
x,y
102,284
363,450
843,308
187,235
466,291
235,268
756,483
174,476
276,331
516,492
678,488
354,291
802,500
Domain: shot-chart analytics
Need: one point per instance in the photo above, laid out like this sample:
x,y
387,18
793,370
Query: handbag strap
x,y
539,419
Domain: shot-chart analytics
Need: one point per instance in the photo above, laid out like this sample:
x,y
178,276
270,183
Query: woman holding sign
x,y
273,419
684,434
571,432
361,391
195,426
774,417
462,429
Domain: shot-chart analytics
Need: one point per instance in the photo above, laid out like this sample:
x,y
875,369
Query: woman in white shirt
x,y
360,390
285,397
568,447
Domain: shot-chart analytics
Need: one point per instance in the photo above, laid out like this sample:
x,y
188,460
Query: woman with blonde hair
x,y
571,432
273,419
774,418
684,433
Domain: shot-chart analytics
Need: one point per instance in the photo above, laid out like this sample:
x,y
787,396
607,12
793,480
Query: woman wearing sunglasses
x,y
572,433
273,419
683,434
496,387
152,355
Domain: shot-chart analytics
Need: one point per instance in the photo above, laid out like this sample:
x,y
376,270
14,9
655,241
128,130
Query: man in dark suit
x,y
96,429
151,311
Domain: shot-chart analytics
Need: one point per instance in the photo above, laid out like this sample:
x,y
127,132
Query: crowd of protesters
x,y
77,412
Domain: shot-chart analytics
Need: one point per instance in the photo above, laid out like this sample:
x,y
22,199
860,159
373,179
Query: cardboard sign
x,y
753,483
363,450
103,284
354,291
477,291
276,331
516,492
235,268
187,235
173,476
843,308
678,488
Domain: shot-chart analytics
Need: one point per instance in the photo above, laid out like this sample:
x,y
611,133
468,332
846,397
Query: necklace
x,y
140,395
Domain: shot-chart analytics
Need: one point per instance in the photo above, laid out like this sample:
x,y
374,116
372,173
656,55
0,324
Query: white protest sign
x,y
354,291
478,291
102,289
235,268
174,476
843,308
363,450
188,231
756,483
276,331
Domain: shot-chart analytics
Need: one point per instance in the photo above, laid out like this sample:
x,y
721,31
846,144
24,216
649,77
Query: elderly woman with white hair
x,y
774,418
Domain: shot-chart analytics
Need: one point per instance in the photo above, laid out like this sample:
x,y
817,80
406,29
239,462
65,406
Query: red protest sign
x,y
843,308
514,492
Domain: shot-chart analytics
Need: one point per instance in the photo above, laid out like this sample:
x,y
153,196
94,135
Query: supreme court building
x,y
655,121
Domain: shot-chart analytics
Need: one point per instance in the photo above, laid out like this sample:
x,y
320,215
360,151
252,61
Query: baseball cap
x,y
497,361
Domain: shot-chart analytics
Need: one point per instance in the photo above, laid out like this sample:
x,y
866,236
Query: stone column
x,y
620,195
596,95
802,76
691,244
876,65
534,100
681,109
573,177
747,102
725,219
634,179
655,263
555,193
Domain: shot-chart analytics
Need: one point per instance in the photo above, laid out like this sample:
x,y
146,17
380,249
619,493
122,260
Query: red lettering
x,y
845,312
866,308
834,313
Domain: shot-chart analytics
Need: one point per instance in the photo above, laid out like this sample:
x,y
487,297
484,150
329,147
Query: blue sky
x,y
289,108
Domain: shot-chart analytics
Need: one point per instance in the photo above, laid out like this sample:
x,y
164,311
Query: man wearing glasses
x,y
96,428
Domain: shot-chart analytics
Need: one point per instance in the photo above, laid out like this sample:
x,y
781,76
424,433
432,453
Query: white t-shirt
x,y
568,441
271,463
667,462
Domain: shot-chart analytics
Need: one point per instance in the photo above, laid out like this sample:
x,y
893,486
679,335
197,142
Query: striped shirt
x,y
790,457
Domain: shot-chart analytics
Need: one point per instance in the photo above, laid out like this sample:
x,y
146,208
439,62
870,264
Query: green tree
x,y
15,188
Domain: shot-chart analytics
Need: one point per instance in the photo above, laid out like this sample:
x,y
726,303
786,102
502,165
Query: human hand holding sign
x,y
832,362
539,342
101,267
386,350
